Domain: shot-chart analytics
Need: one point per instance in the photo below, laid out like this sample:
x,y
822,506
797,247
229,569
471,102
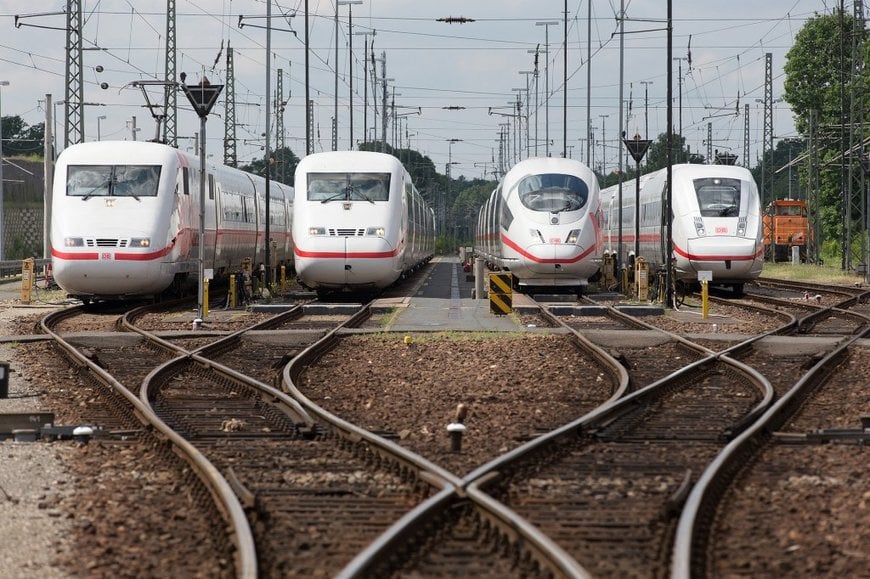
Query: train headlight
x,y
741,227
375,231
140,242
536,234
73,242
699,227
573,236
316,231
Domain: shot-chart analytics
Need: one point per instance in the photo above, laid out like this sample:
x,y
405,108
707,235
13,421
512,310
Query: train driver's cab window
x,y
553,192
326,187
136,181
792,210
718,197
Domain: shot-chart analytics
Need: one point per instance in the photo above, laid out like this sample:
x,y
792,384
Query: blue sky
x,y
474,68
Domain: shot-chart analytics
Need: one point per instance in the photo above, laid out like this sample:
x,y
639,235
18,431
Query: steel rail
x,y
409,460
374,560
221,491
690,545
202,356
799,285
599,353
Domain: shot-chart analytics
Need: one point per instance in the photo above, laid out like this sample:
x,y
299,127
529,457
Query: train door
x,y
259,227
661,258
212,203
185,213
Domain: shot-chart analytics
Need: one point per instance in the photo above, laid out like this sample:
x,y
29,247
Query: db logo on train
x,y
106,255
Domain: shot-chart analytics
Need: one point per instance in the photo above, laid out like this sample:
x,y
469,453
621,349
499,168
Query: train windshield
x,y
326,187
553,192
88,181
718,197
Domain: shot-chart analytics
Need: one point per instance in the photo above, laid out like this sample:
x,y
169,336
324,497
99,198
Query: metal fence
x,y
12,269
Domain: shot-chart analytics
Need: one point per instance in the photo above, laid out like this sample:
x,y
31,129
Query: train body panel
x,y
541,223
716,227
125,219
360,223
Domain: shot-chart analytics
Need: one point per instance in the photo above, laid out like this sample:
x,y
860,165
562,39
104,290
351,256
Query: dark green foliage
x,y
21,140
283,167
816,79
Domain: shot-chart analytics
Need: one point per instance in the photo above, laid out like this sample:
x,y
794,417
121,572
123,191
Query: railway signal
x,y
202,97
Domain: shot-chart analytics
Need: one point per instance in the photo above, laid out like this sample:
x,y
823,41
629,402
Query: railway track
x,y
189,525
288,467
804,451
619,453
462,530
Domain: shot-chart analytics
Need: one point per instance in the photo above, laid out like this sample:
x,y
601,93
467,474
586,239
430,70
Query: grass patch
x,y
811,273
388,318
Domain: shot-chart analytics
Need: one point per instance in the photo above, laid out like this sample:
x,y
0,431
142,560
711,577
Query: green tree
x,y
812,69
19,139
814,79
785,183
657,156
283,168
466,207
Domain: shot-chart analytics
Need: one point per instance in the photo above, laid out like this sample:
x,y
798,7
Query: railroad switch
x,y
860,436
39,426
457,429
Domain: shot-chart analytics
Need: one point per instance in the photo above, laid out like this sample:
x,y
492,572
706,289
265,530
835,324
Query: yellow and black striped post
x,y
500,293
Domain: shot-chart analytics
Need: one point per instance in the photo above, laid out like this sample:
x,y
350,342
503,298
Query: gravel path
x,y
33,478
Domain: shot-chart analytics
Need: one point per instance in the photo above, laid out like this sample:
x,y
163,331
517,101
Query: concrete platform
x,y
442,300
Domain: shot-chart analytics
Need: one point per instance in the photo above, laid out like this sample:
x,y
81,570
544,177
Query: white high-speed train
x,y
125,220
360,223
541,224
717,222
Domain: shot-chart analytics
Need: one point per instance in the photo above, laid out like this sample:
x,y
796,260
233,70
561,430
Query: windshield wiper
x,y
90,193
341,195
351,190
568,206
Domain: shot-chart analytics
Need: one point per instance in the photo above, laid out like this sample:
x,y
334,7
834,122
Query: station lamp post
x,y
528,118
443,209
338,3
99,134
546,24
365,60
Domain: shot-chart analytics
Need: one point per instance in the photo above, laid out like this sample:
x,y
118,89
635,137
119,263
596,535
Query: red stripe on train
x,y
507,241
698,257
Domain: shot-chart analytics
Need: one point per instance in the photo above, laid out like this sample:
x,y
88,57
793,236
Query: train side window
x,y
185,180
507,217
211,186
